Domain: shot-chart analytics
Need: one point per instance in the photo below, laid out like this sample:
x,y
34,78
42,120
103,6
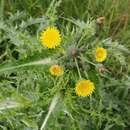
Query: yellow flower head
x,y
84,88
56,70
50,37
101,54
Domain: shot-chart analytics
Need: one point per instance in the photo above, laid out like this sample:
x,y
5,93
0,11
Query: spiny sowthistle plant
x,y
83,77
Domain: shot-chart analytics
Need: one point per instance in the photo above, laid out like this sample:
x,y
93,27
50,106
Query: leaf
x,y
9,104
108,127
17,65
29,123
31,21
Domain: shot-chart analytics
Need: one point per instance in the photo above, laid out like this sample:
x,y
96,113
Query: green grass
x,y
31,98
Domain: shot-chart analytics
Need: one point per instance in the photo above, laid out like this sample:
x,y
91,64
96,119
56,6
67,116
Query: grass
x,y
31,98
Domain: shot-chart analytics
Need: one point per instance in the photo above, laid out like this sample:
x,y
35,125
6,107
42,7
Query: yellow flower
x,y
50,37
101,54
84,88
56,70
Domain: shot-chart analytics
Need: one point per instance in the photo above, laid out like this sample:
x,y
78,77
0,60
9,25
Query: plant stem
x,y
4,54
2,9
51,109
85,59
91,63
78,68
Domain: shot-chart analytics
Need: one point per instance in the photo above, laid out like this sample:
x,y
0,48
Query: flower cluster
x,y
51,38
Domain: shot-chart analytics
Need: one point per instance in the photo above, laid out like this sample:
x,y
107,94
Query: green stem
x,y
2,9
91,63
51,109
78,68
85,59
1,56
86,74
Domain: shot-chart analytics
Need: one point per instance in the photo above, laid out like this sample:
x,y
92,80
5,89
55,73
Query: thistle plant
x,y
64,75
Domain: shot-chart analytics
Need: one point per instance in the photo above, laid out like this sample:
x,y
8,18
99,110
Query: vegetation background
x,y
26,91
